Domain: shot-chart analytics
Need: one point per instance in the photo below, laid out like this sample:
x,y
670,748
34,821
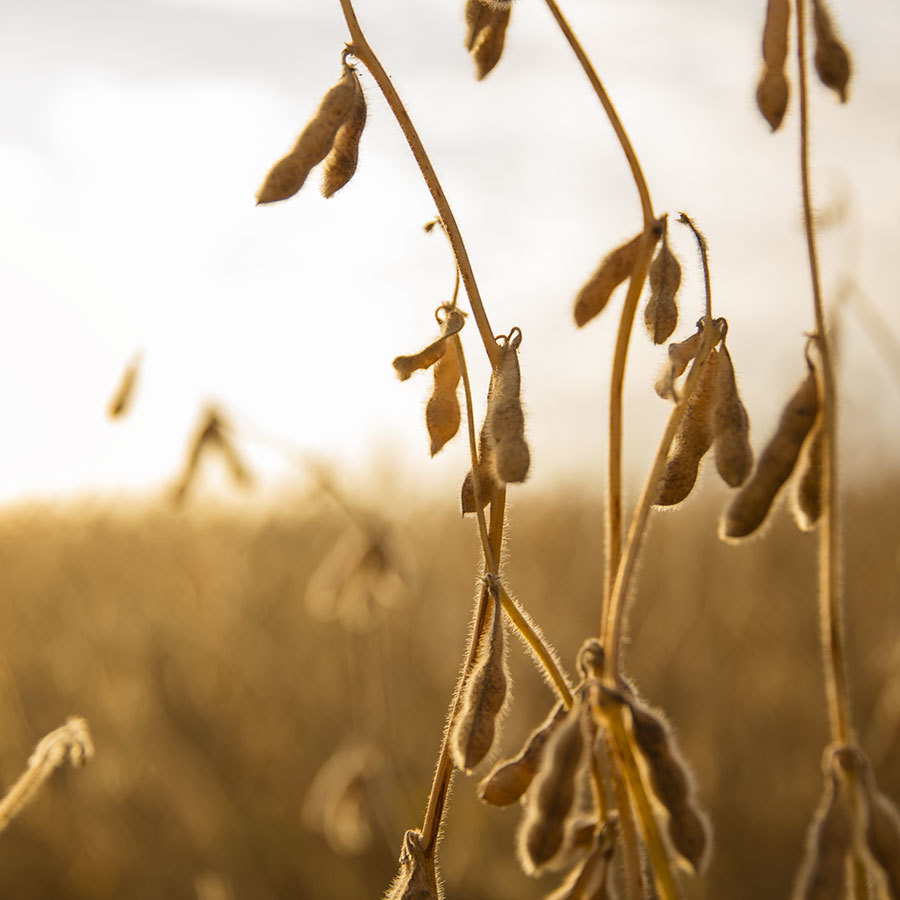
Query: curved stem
x,y
829,537
615,621
685,219
360,48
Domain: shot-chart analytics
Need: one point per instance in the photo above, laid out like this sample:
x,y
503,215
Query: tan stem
x,y
830,601
360,48
634,877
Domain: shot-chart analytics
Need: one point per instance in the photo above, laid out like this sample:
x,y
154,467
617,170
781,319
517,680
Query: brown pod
x,y
680,354
693,438
832,59
340,164
750,507
590,879
424,359
731,426
661,313
882,835
442,412
775,33
807,496
417,878
484,697
485,473
486,25
551,796
611,272
288,175
509,780
505,422
823,875
672,784
772,96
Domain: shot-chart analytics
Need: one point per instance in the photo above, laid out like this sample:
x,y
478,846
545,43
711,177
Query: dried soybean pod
x,y
485,472
680,354
832,59
612,271
661,313
484,697
417,878
509,780
288,175
823,875
807,497
772,91
551,796
486,33
750,507
672,784
442,412
589,880
882,835
505,421
731,426
693,438
424,359
340,164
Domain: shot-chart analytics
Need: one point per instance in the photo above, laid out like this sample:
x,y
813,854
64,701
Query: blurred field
x,y
215,693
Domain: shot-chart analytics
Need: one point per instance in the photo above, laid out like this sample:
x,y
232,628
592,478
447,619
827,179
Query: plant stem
x,y
704,258
360,48
830,604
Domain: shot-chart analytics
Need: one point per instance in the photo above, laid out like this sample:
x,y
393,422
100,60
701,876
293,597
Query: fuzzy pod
x,y
772,97
505,421
882,836
590,879
661,312
807,495
591,658
550,799
693,438
750,507
731,426
823,875
486,25
417,878
442,412
340,164
484,697
680,354
612,271
427,357
509,780
484,471
289,174
831,58
672,784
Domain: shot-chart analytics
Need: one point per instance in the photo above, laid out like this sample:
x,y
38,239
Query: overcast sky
x,y
134,135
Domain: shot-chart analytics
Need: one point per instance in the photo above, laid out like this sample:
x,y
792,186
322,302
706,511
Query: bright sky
x,y
133,137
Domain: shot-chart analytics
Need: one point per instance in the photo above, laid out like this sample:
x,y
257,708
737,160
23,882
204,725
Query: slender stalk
x,y
612,640
360,48
704,258
830,601
634,876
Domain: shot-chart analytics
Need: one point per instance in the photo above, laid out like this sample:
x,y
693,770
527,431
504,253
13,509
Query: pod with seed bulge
x,y
486,25
661,312
772,92
288,175
340,164
832,59
509,780
672,784
750,507
731,426
484,471
485,693
424,359
442,412
611,272
551,796
680,354
505,421
589,880
807,497
693,438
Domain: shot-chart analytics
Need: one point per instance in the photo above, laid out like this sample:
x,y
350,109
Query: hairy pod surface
x,y
807,496
680,354
426,358
417,878
731,426
505,421
661,312
750,507
772,91
831,58
612,271
550,799
882,835
289,174
340,164
484,472
672,784
509,780
693,438
486,25
590,879
484,697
